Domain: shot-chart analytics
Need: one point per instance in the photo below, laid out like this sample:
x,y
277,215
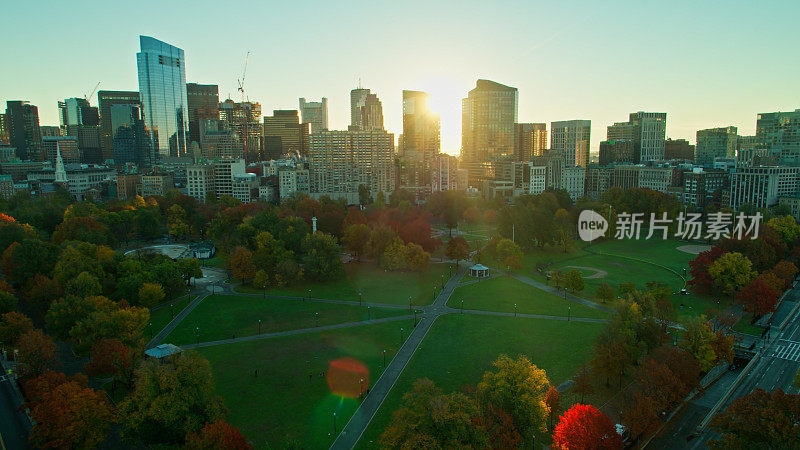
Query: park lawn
x,y
744,326
221,316
218,261
283,404
501,293
663,252
376,285
461,347
162,316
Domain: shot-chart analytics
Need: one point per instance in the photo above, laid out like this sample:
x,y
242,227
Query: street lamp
x,y
369,316
197,332
151,330
359,299
462,306
384,358
409,303
569,313
172,310
362,387
259,326
309,292
335,430
401,335
515,310
316,317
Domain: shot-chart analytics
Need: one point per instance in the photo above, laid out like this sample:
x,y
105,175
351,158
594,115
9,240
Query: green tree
x,y
189,268
416,258
170,399
322,258
698,340
605,293
8,302
394,257
12,326
731,272
573,280
508,253
150,294
786,227
355,239
519,388
37,353
84,285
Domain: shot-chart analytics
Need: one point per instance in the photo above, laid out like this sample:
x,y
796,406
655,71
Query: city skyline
x,y
682,64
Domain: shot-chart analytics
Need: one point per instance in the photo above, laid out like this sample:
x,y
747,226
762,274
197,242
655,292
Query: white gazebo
x,y
479,271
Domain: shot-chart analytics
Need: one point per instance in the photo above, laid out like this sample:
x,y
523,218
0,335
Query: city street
x,y
13,424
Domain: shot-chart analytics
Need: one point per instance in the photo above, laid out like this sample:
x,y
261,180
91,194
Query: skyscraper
x,y
780,132
488,115
105,100
570,138
366,111
421,140
530,139
647,129
131,140
77,111
162,90
358,98
23,126
315,114
82,121
715,143
284,134
245,120
203,103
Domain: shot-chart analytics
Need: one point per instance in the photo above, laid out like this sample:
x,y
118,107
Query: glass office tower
x,y
162,91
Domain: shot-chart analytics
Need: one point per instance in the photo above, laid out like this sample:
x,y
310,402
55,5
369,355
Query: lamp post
x,y
309,292
515,310
565,292
462,306
384,358
172,310
415,317
359,299
259,326
197,333
362,387
335,430
409,303
369,316
316,318
401,335
151,330
569,313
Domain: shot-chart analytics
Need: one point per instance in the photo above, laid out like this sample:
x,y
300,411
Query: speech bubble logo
x,y
591,225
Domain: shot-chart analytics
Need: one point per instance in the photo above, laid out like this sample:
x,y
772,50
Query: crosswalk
x,y
790,351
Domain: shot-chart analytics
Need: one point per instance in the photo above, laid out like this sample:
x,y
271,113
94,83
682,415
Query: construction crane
x,y
245,111
88,96
244,74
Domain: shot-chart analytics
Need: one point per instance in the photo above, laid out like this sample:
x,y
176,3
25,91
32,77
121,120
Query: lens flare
x,y
347,377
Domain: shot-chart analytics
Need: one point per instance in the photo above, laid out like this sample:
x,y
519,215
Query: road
x,y
14,425
775,369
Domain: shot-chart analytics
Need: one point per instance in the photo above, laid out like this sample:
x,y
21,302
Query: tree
x,y
150,294
699,342
416,258
785,271
428,418
68,414
110,357
573,280
189,268
641,416
508,253
731,272
40,296
553,402
241,262
84,285
110,321
364,196
322,260
22,261
379,239
700,280
519,388
8,302
394,257
13,325
611,356
723,347
757,297
170,399
605,293
760,420
584,427
786,227
457,249
582,384
355,239
37,353
499,426
217,435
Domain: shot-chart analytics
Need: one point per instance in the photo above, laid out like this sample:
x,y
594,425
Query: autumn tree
x,y
150,294
698,340
189,268
170,399
8,302
585,427
217,435
700,279
12,326
604,293
731,272
757,298
508,254
457,249
553,402
641,415
241,262
66,413
786,227
786,271
322,260
355,239
759,420
394,257
573,280
428,418
520,388
40,295
37,353
110,357
416,257
582,384
611,356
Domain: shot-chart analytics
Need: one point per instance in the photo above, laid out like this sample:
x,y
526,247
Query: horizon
x,y
701,60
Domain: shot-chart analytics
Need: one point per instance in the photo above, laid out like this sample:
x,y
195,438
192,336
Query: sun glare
x,y
445,100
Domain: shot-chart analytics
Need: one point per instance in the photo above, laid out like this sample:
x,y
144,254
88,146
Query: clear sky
x,y
706,63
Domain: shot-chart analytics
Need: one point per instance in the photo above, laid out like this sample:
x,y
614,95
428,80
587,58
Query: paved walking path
x,y
355,427
559,292
325,300
530,316
257,337
176,320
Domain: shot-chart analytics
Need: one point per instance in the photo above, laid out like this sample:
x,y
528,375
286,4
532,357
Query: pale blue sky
x,y
705,63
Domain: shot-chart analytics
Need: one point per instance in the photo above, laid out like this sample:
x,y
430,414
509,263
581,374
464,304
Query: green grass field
x,y
283,404
374,284
162,316
460,348
501,293
220,316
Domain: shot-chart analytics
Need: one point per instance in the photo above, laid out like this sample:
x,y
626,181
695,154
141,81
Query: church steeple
x,y
61,173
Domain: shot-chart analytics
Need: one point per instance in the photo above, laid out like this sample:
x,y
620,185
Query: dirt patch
x,y
598,273
694,249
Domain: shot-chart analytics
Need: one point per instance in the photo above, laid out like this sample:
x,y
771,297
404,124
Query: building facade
x,y
315,114
715,143
105,100
570,138
284,135
23,127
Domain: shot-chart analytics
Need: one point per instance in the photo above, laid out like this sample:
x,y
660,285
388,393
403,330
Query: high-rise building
x,y
780,132
623,151
67,146
4,136
570,138
715,143
678,149
130,139
284,134
23,126
340,161
420,140
245,120
761,186
358,98
315,114
77,111
202,103
488,115
647,129
530,139
162,90
218,141
105,100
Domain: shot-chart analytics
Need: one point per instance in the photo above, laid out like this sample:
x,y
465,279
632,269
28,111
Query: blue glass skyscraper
x,y
162,91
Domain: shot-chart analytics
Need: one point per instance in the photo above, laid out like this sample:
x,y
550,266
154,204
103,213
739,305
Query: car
x,y
684,291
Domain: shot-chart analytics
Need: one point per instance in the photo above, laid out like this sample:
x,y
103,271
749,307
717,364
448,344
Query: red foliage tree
x,y
553,402
499,427
218,435
698,269
757,297
584,427
111,357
